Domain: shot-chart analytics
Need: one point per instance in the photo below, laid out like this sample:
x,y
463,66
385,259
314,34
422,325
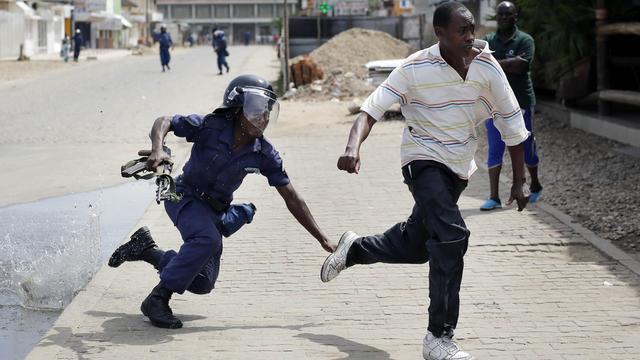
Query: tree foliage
x,y
564,30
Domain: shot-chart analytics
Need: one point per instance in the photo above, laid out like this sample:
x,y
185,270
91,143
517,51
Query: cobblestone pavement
x,y
533,288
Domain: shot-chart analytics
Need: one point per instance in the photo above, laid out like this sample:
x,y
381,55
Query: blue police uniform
x,y
204,215
220,47
165,43
77,44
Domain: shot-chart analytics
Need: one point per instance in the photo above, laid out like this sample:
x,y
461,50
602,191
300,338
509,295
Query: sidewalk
x,y
13,72
533,288
86,54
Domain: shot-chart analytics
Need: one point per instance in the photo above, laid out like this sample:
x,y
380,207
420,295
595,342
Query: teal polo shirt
x,y
520,44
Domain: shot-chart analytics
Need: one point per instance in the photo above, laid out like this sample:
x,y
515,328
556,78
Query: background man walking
x,y
514,51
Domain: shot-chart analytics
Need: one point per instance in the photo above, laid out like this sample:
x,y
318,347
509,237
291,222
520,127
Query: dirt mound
x,y
342,61
351,49
145,50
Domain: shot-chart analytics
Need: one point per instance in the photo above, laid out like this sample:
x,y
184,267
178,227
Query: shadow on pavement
x,y
131,329
354,350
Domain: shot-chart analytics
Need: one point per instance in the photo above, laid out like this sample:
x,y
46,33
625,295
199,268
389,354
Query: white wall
x,y
11,34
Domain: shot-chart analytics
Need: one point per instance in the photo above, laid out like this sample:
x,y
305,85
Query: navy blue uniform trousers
x,y
434,232
196,265
165,56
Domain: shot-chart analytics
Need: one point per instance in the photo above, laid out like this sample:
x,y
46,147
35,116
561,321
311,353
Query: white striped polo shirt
x,y
442,110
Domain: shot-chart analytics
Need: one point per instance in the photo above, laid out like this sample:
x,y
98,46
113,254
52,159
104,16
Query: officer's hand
x,y
520,193
156,159
328,245
349,162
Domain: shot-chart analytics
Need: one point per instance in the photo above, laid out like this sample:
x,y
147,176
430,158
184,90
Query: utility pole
x,y
71,20
285,25
147,23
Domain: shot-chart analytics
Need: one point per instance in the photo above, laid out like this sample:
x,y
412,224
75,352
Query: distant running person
x,y
165,44
220,47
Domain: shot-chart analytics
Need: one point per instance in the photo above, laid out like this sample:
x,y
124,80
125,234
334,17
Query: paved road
x,y
67,131
533,288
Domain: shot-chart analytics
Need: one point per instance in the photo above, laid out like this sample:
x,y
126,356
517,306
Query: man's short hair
x,y
442,15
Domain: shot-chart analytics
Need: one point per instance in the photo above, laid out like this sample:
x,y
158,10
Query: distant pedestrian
x,y
77,44
514,51
65,48
165,43
247,37
220,47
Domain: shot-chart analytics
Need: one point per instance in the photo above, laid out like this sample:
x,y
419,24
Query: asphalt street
x,y
69,131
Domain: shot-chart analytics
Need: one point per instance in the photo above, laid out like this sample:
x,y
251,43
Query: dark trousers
x,y
165,56
434,232
196,265
222,61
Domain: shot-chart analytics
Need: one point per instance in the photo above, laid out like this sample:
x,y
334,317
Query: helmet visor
x,y
260,107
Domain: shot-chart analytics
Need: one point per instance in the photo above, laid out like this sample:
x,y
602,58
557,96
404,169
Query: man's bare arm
x,y
519,191
515,65
350,160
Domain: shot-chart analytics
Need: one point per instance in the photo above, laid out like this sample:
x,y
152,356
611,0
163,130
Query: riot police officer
x,y
228,145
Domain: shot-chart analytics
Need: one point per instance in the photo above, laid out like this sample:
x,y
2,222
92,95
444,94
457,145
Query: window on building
x,y
42,33
222,11
265,10
292,10
181,12
243,11
164,9
203,11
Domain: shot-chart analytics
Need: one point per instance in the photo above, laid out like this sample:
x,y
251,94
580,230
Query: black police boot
x,y
156,308
140,247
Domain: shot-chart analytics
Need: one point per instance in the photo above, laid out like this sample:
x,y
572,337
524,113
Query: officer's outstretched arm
x,y
298,208
159,131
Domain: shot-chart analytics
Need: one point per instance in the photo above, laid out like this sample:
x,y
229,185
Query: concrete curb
x,y
601,244
605,246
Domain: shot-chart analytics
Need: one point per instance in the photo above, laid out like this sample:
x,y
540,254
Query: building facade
x,y
238,18
36,28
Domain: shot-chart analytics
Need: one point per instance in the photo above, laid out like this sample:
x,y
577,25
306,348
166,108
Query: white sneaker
x,y
442,348
337,261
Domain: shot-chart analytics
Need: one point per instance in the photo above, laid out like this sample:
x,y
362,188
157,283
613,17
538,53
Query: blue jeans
x,y
196,265
497,146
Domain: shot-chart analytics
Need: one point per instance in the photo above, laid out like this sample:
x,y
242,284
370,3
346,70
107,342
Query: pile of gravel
x,y
334,86
351,49
584,176
342,61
